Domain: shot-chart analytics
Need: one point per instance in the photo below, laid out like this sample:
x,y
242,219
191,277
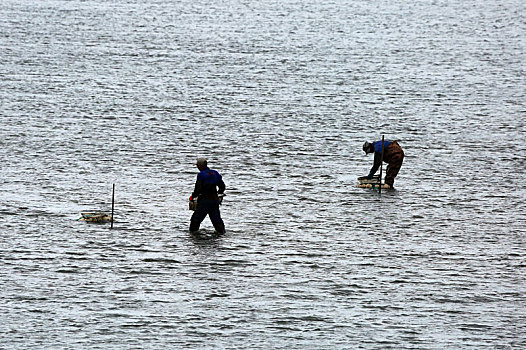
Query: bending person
x,y
393,156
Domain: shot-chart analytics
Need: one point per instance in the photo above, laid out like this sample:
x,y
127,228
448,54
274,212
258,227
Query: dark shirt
x,y
208,184
390,148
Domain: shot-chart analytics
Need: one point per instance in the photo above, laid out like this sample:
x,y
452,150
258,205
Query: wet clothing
x,y
208,184
207,207
393,156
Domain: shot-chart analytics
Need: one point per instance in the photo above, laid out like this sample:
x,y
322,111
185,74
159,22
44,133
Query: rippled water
x,y
280,96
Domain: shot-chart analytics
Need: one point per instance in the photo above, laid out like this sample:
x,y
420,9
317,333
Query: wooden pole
x,y
112,205
381,164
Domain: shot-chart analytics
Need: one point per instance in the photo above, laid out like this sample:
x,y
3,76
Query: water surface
x,y
279,96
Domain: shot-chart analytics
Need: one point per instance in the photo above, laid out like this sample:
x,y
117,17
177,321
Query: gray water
x,y
279,96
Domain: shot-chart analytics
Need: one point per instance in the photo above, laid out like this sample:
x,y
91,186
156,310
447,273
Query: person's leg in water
x,y
215,217
198,216
392,169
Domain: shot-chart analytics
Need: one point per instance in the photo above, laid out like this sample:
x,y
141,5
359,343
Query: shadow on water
x,y
205,236
374,193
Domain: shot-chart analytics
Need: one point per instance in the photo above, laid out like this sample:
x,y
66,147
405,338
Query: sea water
x,y
279,96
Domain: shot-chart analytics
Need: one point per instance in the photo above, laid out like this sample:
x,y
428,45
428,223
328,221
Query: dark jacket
x,y
392,154
208,184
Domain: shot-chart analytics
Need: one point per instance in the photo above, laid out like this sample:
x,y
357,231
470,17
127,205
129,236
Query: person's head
x,y
201,163
368,147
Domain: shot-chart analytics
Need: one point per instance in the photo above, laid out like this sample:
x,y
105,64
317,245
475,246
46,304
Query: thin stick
x,y
112,205
381,163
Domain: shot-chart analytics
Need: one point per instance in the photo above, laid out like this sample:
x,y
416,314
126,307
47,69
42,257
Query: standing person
x,y
208,184
393,156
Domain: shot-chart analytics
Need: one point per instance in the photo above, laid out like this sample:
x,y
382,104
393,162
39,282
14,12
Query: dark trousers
x,y
206,207
395,163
